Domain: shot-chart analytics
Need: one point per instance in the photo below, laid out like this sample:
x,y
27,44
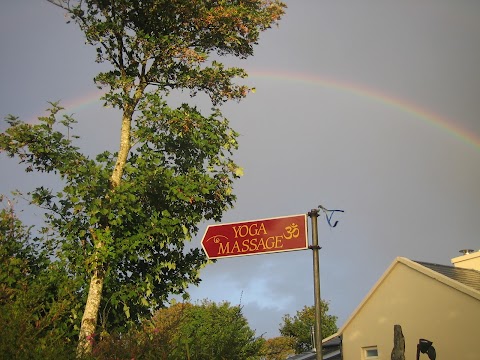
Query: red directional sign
x,y
256,237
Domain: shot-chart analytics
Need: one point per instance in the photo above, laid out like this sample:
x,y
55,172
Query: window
x,y
370,352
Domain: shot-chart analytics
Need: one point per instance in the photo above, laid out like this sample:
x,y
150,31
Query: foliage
x,y
186,331
168,43
143,223
299,327
121,220
17,256
36,301
211,331
277,348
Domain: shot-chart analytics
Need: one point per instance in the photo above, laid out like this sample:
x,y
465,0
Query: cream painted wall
x,y
468,261
425,308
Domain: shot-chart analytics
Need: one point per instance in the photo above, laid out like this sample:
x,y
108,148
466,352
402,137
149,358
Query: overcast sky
x,y
367,106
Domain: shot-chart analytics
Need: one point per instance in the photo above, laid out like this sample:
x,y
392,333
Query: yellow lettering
x,y
222,249
261,243
251,230
254,245
262,229
236,247
278,242
236,230
270,243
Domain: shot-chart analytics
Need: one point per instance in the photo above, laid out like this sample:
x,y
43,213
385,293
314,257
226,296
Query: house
x,y
429,301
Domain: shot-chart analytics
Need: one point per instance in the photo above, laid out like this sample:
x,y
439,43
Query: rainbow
x,y
428,116
83,101
70,106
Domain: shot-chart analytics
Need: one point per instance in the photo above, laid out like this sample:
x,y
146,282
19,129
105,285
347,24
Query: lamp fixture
x,y
425,346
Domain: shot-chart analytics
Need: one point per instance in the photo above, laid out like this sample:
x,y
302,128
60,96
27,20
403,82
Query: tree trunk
x,y
125,135
125,147
94,298
398,352
90,315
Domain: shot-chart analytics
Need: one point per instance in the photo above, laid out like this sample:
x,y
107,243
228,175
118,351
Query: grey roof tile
x,y
468,277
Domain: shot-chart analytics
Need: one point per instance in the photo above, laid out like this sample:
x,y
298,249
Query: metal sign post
x,y
313,214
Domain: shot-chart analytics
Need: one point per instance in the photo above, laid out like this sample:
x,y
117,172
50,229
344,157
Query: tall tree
x,y
300,326
123,217
208,331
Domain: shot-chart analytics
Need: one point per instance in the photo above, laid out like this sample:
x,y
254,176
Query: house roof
x,y
333,355
310,355
464,280
330,350
468,277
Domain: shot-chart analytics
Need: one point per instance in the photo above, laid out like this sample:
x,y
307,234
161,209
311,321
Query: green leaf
x,y
126,310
